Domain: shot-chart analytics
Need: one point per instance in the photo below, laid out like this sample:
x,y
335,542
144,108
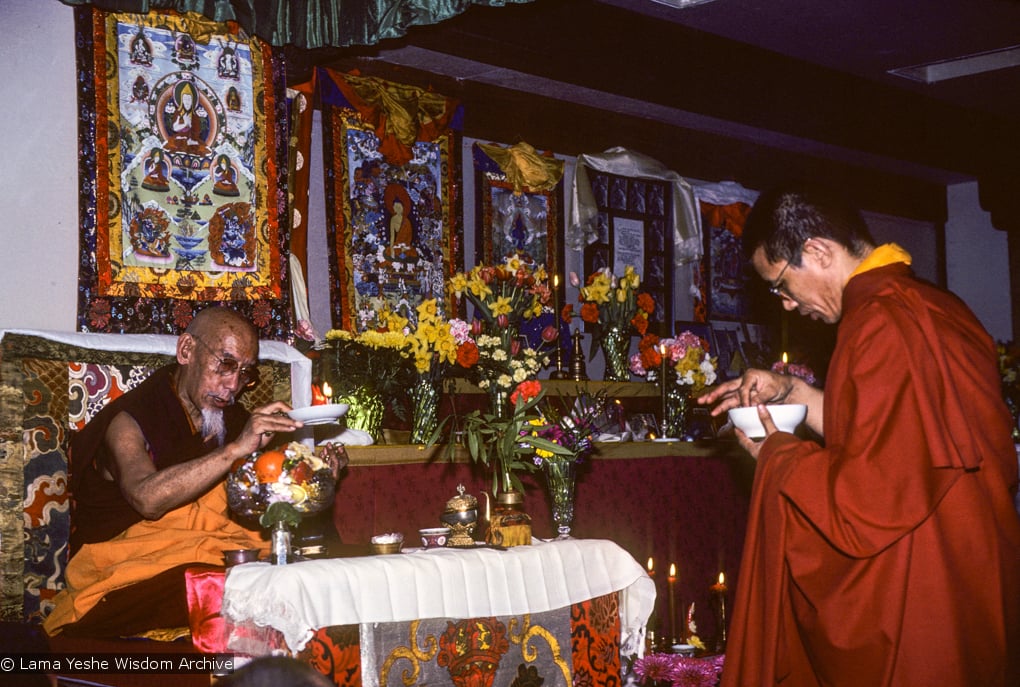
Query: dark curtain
x,y
311,23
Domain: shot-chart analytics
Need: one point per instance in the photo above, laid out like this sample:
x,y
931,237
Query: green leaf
x,y
280,511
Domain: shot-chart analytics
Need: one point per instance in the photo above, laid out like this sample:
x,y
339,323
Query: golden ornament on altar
x,y
461,515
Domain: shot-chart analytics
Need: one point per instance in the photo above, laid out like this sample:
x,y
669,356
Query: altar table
x,y
529,596
684,503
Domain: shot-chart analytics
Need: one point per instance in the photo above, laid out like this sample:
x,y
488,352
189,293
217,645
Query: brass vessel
x,y
461,515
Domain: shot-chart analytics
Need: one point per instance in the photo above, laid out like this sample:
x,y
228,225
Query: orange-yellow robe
x,y
890,557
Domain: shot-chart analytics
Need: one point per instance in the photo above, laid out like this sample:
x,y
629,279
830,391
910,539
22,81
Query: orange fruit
x,y
269,465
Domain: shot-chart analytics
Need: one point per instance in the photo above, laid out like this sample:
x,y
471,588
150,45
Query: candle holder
x,y
672,580
559,372
719,592
578,372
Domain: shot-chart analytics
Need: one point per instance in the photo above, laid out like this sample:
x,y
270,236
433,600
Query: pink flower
x,y
460,330
304,330
575,281
636,367
549,334
654,667
795,370
692,672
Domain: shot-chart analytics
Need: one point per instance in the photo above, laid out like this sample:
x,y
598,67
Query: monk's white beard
x,y
213,425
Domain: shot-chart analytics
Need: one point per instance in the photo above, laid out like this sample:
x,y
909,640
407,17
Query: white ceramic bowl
x,y
786,416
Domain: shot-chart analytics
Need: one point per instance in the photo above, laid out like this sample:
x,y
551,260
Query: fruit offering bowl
x,y
293,475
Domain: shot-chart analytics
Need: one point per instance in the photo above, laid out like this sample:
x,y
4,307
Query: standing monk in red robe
x,y
889,554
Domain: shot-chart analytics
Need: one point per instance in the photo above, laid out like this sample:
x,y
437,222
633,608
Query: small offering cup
x,y
434,537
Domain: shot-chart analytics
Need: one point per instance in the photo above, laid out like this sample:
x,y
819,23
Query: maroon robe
x,y
890,557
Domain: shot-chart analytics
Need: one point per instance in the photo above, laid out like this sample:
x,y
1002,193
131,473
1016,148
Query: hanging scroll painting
x,y
515,221
390,224
182,170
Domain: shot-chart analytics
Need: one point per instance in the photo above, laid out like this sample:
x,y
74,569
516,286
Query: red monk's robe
x,y
890,557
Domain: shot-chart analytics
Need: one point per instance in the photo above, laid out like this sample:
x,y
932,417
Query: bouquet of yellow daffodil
x,y
428,341
608,301
613,309
504,295
432,347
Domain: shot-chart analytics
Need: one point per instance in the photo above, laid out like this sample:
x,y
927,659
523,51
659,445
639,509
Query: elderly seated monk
x,y
147,477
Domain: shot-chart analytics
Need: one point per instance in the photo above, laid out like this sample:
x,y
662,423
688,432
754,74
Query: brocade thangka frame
x,y
524,221
390,226
183,153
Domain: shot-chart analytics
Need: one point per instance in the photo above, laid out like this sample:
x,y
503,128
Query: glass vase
x,y
560,475
499,402
366,411
678,400
424,409
615,347
280,550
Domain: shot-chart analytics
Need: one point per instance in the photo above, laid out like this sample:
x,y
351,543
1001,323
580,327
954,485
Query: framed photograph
x,y
643,426
390,225
758,348
729,339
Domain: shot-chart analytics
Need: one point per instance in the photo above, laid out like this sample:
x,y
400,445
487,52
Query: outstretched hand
x,y
754,387
263,424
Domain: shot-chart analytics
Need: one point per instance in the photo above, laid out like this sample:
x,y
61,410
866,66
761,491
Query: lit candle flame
x,y
556,281
326,390
784,358
722,579
651,564
672,571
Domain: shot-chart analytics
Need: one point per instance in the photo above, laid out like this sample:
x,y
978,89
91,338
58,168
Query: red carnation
x,y
526,391
646,302
467,354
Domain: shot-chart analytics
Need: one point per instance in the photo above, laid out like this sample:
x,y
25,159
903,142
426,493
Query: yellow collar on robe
x,y
886,254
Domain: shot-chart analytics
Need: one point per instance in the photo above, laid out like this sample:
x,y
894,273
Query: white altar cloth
x,y
299,598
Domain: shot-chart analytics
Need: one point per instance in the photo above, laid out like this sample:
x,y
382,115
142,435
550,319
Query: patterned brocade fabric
x,y
578,645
